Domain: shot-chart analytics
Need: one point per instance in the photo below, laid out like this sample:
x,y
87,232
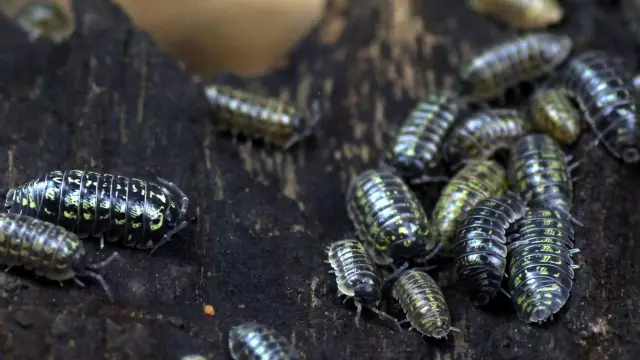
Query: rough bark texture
x,y
110,100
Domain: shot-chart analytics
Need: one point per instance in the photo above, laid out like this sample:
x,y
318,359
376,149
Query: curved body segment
x,y
553,113
521,14
252,341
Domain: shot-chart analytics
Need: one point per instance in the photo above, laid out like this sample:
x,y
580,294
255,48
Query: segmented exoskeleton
x,y
422,300
482,133
357,275
388,218
521,14
481,245
604,90
139,213
415,154
273,120
47,249
540,174
540,269
553,113
478,180
41,19
502,66
252,341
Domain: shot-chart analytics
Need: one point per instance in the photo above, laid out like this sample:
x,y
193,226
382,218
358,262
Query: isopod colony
x,y
507,226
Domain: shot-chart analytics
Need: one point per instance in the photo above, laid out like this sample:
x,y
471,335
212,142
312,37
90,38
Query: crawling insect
x,y
357,276
604,91
521,14
415,155
478,180
540,269
553,113
273,120
389,218
482,133
41,19
47,249
539,172
481,250
423,302
252,341
504,65
141,214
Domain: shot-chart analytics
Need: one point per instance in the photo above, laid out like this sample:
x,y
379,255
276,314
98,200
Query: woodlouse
x,y
478,180
540,269
482,133
422,300
604,91
540,174
139,213
47,249
357,275
553,113
481,245
504,65
415,154
521,14
252,341
388,218
273,120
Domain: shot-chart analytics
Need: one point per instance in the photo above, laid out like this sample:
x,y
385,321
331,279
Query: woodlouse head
x,y
367,292
412,241
555,48
406,166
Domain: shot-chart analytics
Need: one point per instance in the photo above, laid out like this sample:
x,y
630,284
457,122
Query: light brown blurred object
x,y
244,36
41,18
521,14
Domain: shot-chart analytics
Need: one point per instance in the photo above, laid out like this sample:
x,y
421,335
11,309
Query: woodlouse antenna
x,y
167,237
106,262
103,283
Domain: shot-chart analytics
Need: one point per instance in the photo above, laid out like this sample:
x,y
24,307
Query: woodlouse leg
x,y
79,283
502,290
431,255
358,314
384,315
168,236
6,270
103,283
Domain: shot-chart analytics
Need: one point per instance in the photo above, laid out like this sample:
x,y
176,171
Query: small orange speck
x,y
209,310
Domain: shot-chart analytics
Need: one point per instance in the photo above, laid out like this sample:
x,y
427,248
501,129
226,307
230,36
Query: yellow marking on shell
x,y
70,214
160,196
119,222
61,266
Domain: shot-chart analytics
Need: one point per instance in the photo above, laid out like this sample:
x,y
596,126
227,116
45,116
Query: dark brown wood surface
x,y
110,100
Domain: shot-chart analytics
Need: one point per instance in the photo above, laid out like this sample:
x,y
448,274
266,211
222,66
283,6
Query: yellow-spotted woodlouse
x,y
509,63
422,300
481,245
357,276
273,120
388,218
540,173
478,180
47,249
415,154
482,133
604,90
521,14
138,213
253,341
540,269
553,113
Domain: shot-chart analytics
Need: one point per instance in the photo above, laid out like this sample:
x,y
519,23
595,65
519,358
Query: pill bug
x,y
48,250
553,113
604,91
479,179
520,14
541,269
540,174
388,218
422,300
482,133
415,154
273,120
357,275
41,19
252,341
481,250
138,213
504,65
